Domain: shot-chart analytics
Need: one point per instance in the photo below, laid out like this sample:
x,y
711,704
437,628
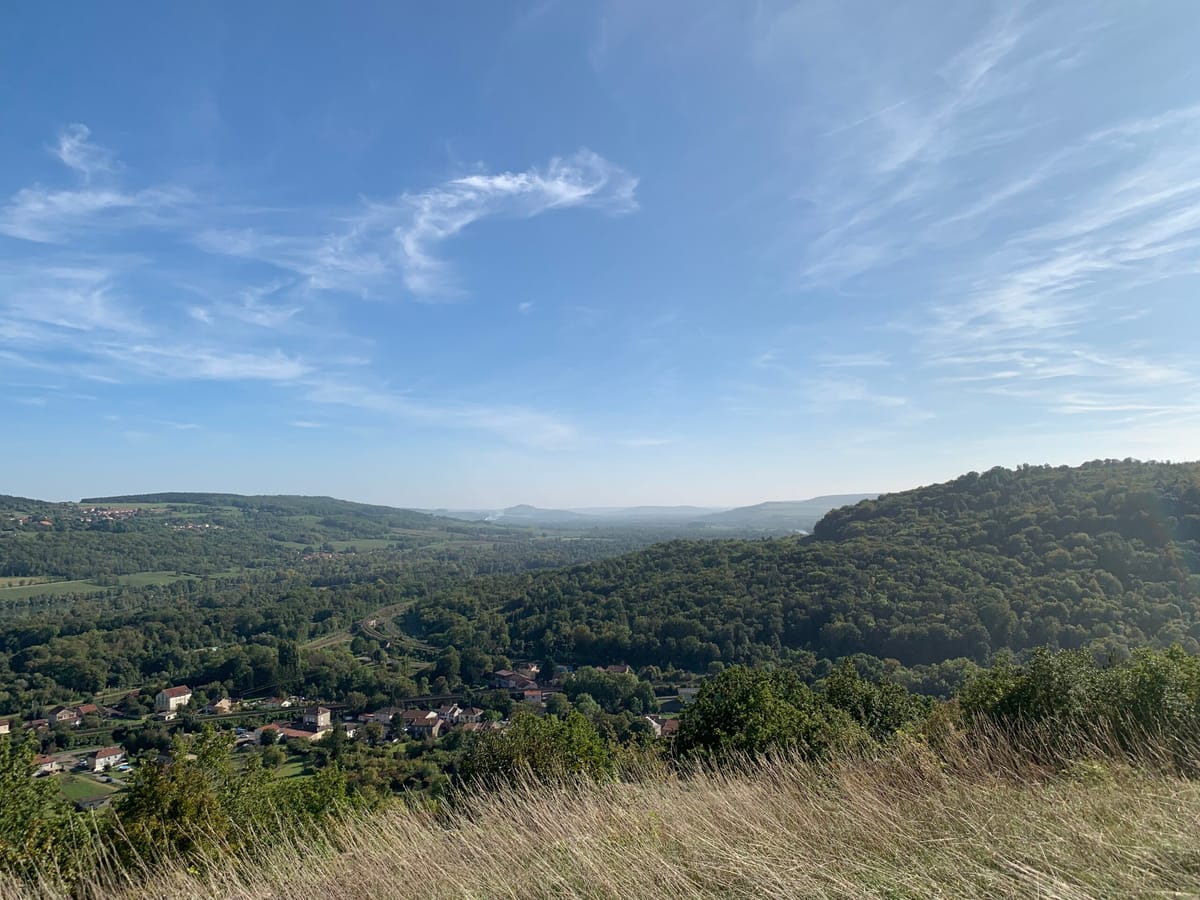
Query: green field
x,y
81,787
45,587
295,767
26,581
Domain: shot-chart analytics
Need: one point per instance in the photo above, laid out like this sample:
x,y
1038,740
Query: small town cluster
x,y
295,718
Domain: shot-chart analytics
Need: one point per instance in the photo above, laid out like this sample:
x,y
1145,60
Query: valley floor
x,y
904,827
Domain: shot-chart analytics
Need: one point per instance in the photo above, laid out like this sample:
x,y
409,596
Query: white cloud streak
x,y
406,236
1005,236
68,310
76,151
512,423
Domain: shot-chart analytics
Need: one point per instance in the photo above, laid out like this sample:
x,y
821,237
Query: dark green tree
x,y
754,710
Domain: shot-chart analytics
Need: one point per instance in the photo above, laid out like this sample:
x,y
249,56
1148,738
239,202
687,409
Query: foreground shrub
x,y
750,711
543,747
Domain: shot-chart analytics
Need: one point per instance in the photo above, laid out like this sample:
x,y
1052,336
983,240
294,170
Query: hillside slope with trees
x,y
1103,556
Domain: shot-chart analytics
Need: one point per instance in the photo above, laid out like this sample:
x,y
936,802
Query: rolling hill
x,y
776,516
787,515
1104,556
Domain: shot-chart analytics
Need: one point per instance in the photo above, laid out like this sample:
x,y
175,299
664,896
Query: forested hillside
x,y
1103,556
201,534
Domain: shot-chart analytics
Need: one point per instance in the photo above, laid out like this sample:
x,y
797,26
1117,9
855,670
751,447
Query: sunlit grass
x,y
910,824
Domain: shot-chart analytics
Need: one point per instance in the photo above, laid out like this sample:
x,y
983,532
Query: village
x,y
91,774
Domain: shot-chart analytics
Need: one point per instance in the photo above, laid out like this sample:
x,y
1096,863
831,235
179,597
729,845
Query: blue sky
x,y
593,253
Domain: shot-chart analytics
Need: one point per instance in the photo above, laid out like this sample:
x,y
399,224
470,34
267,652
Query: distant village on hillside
x,y
296,718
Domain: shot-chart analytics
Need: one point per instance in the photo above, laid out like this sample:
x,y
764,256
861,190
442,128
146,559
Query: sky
x,y
604,253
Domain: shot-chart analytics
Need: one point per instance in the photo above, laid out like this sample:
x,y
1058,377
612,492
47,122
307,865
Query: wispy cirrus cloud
x,y
252,307
406,235
779,384
517,424
47,215
81,307
584,179
53,216
1002,237
76,151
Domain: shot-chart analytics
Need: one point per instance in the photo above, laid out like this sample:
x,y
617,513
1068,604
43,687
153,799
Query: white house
x,y
46,765
172,698
105,759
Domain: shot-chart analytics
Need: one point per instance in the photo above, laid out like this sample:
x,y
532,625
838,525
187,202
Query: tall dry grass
x,y
978,819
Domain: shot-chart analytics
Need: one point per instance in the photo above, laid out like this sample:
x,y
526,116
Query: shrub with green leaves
x,y
537,746
745,710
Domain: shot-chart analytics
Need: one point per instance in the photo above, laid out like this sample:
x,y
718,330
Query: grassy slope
x,y
901,827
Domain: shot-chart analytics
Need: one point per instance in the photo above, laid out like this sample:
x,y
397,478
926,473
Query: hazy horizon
x,y
583,255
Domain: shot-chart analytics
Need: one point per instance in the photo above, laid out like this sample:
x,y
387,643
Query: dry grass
x,y
905,826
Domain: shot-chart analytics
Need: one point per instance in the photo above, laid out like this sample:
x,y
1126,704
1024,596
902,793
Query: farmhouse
x,y
172,698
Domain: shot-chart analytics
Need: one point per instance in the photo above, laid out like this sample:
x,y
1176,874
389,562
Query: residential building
x,y
46,765
422,722
317,718
5,726
172,698
470,714
62,715
287,730
513,681
105,759
426,728
383,716
409,716
619,670
449,712
663,727
221,707
87,709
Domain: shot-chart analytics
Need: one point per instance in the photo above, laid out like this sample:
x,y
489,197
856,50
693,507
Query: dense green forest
x,y
130,592
924,584
1104,556
199,533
